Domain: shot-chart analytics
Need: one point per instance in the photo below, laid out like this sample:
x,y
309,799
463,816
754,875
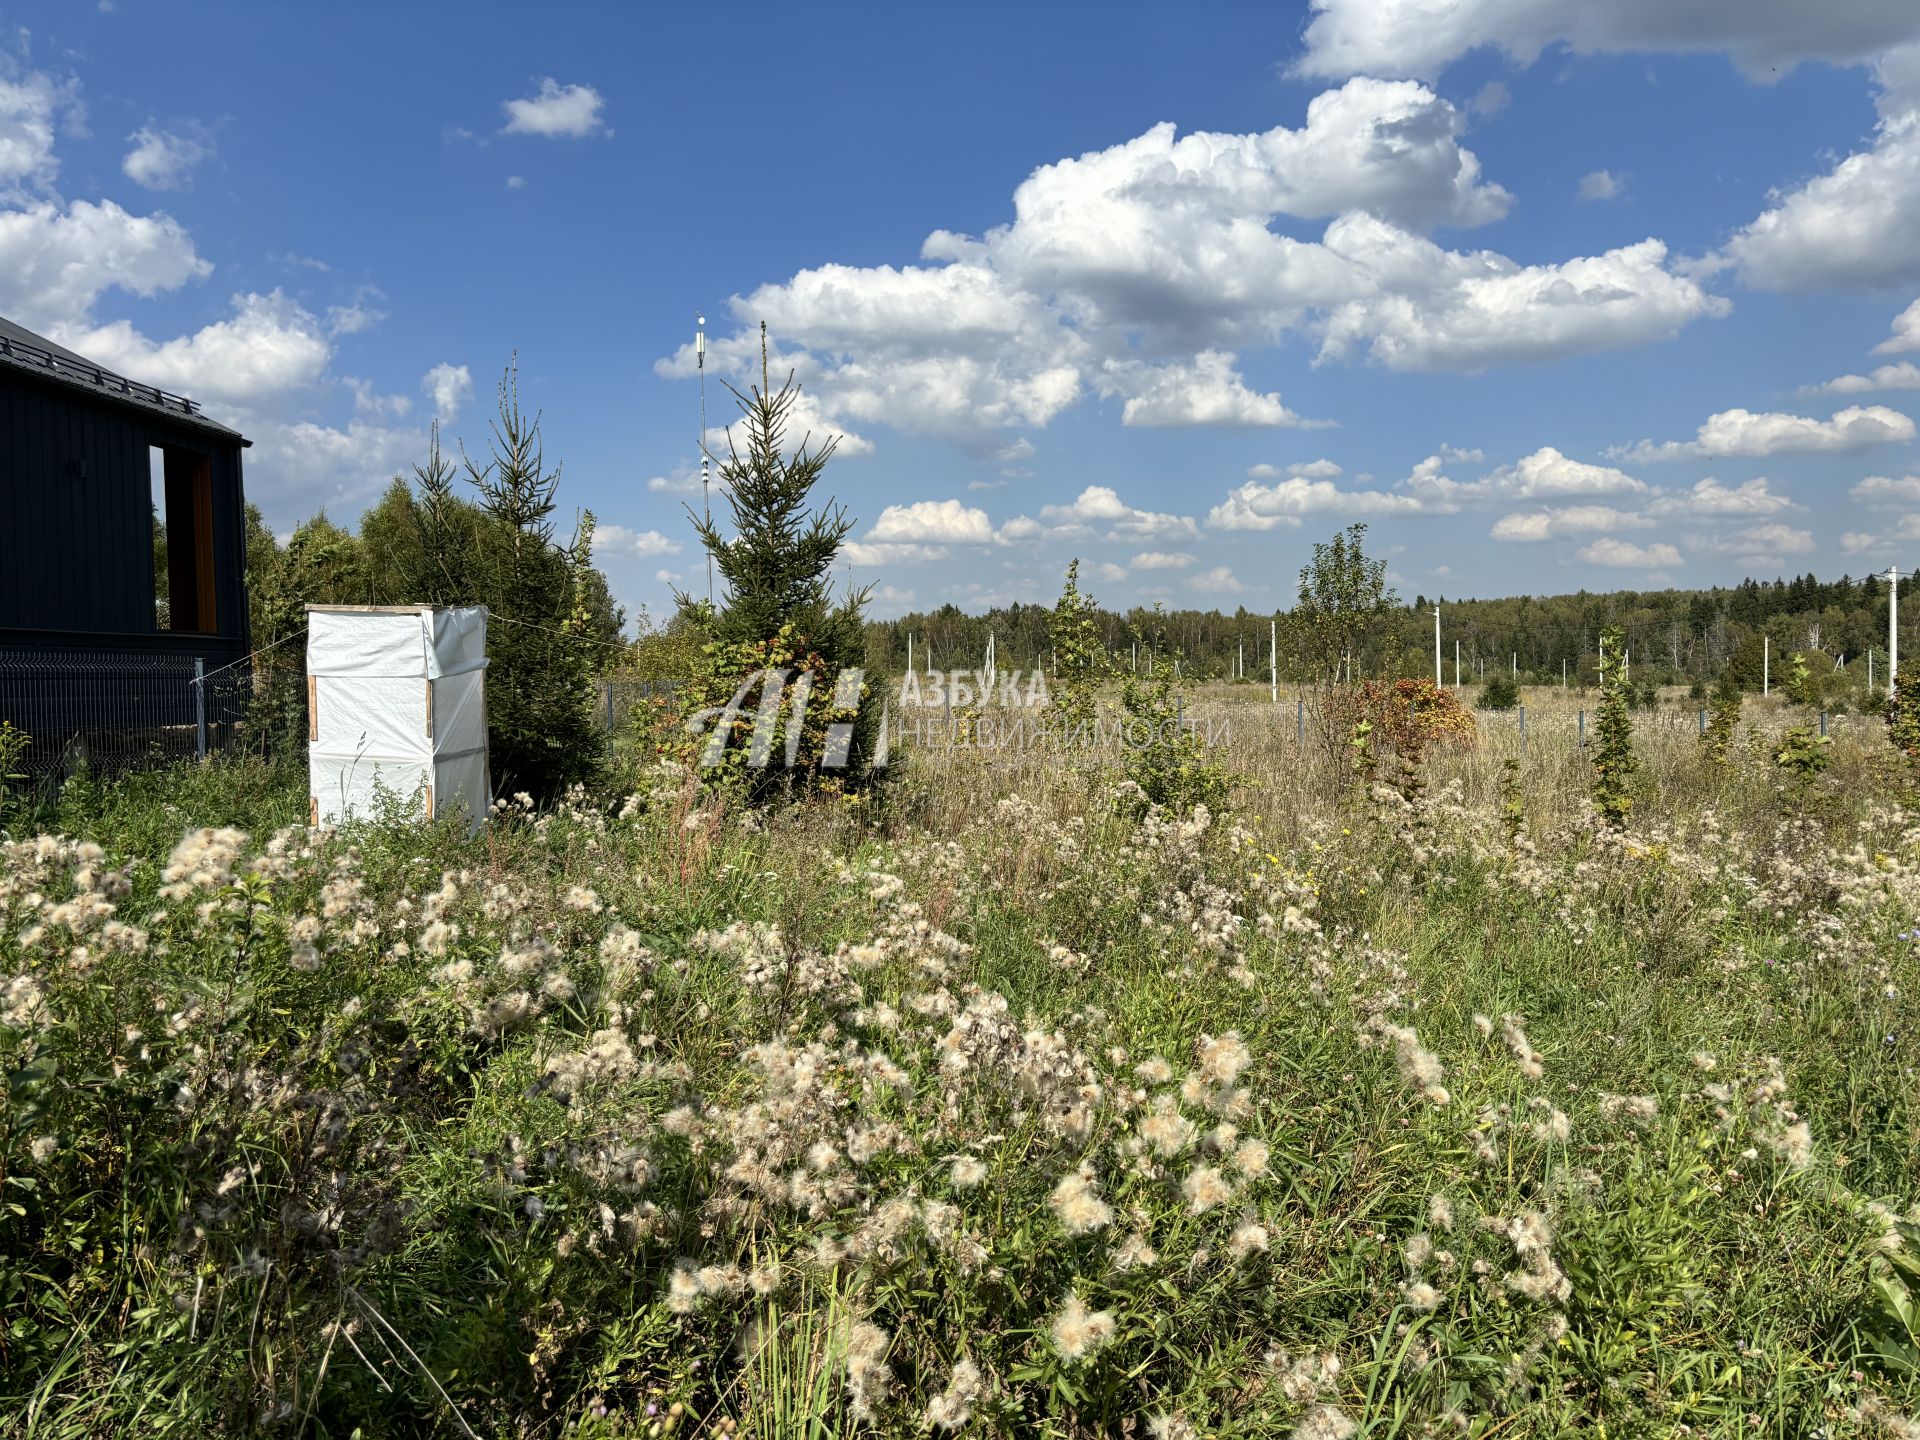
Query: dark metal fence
x,y
106,712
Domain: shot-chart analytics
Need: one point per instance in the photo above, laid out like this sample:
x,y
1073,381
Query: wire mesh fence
x,y
106,712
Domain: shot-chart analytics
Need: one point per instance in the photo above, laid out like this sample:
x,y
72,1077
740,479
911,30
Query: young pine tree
x,y
1613,759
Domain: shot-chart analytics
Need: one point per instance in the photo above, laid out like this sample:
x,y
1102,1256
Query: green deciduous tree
x,y
1079,656
1340,617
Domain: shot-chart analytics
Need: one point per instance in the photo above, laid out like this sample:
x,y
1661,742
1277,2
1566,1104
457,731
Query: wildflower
x,y
1554,1127
1154,1071
967,1172
1079,1332
1247,1239
1418,1251
582,897
1250,1158
1134,1252
438,937
1077,1204
1223,1060
867,1372
1636,1109
1704,1061
953,1407
1531,1064
683,1288
1171,1427
1206,1188
43,1148
1421,1296
1793,1144
1166,1129
1324,1422
1419,1067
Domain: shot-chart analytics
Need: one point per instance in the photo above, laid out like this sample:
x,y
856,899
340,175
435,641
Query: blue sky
x,y
1551,295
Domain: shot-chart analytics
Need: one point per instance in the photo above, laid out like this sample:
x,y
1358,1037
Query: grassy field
x,y
985,1110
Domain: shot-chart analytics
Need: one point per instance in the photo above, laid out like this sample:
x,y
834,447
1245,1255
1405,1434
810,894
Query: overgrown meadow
x,y
1002,1104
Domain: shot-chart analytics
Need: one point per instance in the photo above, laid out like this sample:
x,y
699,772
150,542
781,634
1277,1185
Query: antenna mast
x,y
706,477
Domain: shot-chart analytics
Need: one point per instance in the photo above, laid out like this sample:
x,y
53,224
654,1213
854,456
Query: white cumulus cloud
x,y
1422,37
1624,555
556,111
1750,435
1566,520
269,346
618,542
165,159
450,387
1205,390
1902,375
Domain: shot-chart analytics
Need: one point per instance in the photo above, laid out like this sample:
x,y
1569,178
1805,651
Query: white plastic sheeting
x,y
396,706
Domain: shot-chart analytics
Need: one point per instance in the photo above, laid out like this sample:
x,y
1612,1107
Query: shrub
x,y
1406,716
1164,757
1500,693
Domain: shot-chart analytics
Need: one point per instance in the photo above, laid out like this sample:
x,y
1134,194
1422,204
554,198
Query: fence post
x,y
1703,722
1823,722
200,706
1523,729
1583,728
1300,726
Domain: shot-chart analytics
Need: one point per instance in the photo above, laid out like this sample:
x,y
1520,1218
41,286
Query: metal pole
x,y
1823,722
1516,664
1273,658
1456,664
1437,680
1563,672
1703,722
1766,664
1300,722
1523,729
706,478
1893,629
200,705
1583,728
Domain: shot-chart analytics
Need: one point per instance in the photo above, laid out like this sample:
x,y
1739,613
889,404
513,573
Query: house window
x,y
183,584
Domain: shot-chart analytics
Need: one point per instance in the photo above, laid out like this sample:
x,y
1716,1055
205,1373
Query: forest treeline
x,y
1674,636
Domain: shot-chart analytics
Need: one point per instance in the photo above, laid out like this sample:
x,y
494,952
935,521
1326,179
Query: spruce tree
x,y
779,615
541,725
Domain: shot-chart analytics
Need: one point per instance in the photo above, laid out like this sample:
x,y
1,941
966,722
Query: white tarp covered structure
x,y
396,703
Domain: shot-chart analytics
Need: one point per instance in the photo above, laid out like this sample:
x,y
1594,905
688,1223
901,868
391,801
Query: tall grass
x,y
988,1109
